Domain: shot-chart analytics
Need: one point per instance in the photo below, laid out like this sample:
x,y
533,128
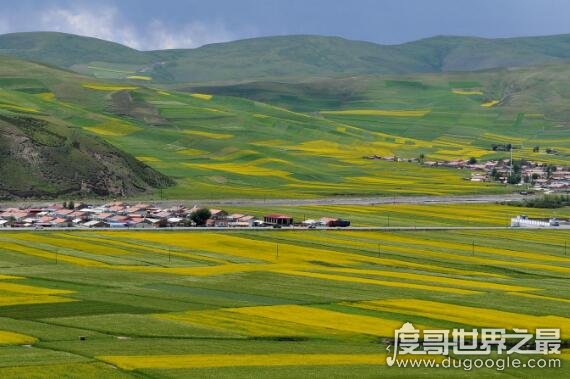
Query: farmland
x,y
263,304
409,215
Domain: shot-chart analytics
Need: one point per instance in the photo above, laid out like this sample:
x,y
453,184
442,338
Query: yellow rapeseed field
x,y
18,108
208,134
148,159
32,299
139,77
433,278
30,290
481,317
202,96
11,338
245,324
385,283
490,104
324,318
380,112
466,92
113,128
191,152
108,87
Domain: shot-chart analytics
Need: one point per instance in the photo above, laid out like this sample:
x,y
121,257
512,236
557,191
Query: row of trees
x,y
546,201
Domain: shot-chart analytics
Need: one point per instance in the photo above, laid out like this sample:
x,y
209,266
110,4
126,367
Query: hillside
x,y
310,138
283,57
43,154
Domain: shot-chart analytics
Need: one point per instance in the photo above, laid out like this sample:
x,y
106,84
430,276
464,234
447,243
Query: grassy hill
x,y
307,139
285,57
44,154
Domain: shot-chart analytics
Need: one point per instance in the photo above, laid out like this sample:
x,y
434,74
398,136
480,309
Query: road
x,y
354,200
463,199
297,229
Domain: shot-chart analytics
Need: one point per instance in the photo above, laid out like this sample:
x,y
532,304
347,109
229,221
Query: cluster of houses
x,y
122,215
542,176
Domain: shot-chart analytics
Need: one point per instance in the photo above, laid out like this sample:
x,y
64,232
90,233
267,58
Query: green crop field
x,y
264,304
408,215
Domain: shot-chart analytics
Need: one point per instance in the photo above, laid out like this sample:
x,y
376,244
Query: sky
x,y
165,24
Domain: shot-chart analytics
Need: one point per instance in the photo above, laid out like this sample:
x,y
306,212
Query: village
x,y
122,215
535,176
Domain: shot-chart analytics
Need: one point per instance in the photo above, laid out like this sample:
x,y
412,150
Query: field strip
x,y
353,279
11,338
540,297
31,290
108,87
247,325
324,318
467,315
379,112
465,247
133,362
164,249
52,256
432,278
40,299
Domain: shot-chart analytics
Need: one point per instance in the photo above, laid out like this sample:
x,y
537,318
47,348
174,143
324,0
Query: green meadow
x,y
265,304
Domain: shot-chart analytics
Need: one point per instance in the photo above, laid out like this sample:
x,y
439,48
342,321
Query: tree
x,y
550,169
422,157
495,174
472,160
536,149
200,216
514,178
71,205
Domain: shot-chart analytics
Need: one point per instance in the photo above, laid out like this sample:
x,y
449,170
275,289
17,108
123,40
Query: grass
x,y
188,303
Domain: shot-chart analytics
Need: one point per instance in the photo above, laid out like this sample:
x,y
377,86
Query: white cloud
x,y
103,23
190,35
106,23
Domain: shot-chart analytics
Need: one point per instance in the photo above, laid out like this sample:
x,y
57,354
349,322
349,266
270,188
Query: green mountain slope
x,y
42,151
66,50
283,57
307,139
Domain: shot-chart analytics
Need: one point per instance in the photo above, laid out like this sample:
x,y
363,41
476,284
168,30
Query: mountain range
x,y
288,116
284,57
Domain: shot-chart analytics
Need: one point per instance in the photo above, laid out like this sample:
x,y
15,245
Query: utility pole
x,y
473,248
56,255
388,219
169,257
511,168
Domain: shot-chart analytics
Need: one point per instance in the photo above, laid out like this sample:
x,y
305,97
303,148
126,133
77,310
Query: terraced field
x,y
268,304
